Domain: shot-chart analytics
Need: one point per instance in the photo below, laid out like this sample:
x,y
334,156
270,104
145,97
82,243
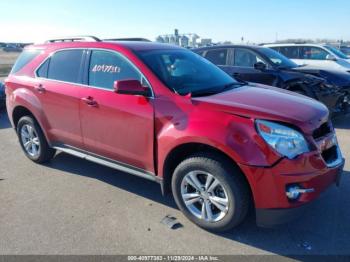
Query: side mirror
x,y
260,66
331,57
131,87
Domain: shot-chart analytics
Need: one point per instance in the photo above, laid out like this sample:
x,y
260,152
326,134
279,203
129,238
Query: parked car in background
x,y
314,55
345,50
266,66
2,96
166,114
13,48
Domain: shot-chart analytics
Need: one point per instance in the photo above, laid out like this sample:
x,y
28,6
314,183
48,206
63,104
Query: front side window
x,y
276,58
246,58
217,56
65,66
107,67
313,53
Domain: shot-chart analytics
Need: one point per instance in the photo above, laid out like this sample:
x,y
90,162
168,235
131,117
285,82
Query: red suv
x,y
166,114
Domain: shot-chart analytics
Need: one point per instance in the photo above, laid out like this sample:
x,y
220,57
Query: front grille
x,y
330,155
323,130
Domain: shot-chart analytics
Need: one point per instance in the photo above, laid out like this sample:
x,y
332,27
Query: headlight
x,y
285,140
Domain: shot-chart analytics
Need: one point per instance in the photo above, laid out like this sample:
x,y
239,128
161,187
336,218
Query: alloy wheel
x,y
204,196
30,140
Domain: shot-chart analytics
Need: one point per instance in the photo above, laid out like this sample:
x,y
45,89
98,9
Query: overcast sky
x,y
255,20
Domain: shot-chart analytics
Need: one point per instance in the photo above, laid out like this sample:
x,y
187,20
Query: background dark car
x,y
13,48
2,95
345,50
266,66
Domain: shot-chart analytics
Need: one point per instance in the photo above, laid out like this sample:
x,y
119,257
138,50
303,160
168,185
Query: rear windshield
x,y
27,56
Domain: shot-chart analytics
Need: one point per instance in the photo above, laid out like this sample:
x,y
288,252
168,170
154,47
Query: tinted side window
x,y
107,67
65,65
246,58
290,51
42,71
217,56
24,59
314,53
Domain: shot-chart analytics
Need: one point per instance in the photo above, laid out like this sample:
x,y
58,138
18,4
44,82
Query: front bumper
x,y
269,186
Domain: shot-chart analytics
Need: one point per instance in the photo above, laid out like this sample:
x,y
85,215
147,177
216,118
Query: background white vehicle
x,y
314,55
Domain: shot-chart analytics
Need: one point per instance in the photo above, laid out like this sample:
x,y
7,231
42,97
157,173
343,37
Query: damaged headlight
x,y
284,140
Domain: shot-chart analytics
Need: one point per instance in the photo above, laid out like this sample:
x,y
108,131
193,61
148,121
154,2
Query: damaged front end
x,y
336,98
334,91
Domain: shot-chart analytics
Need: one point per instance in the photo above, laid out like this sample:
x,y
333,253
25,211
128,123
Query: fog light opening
x,y
294,192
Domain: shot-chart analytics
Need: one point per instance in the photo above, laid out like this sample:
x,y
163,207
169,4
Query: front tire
x,y
33,141
211,192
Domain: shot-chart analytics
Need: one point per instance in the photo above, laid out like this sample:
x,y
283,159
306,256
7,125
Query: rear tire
x,y
218,208
33,141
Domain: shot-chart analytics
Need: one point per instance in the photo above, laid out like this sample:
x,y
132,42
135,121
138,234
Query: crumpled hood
x,y
336,77
265,102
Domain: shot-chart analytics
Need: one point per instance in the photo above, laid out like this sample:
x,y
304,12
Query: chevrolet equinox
x,y
166,114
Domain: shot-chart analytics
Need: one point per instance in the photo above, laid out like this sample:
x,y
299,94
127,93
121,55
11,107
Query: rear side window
x,y
25,58
65,66
217,56
291,52
107,67
42,71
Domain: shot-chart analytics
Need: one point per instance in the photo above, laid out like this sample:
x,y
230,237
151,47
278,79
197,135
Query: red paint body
x,y
142,132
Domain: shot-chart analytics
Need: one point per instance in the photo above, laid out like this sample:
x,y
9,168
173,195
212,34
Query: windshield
x,y
277,59
336,51
185,72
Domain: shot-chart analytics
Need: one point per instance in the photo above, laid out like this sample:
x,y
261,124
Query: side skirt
x,y
109,163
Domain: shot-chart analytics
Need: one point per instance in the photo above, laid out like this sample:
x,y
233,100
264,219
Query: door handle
x,y
89,101
40,88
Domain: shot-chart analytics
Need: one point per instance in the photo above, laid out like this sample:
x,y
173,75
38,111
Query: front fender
x,y
233,135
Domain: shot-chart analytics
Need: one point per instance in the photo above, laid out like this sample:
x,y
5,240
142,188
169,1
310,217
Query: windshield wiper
x,y
212,91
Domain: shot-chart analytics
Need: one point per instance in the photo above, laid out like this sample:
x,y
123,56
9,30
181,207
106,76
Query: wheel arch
x,y
20,111
182,151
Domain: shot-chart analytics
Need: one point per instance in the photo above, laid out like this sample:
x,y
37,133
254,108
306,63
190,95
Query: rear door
x,y
115,126
292,52
244,60
58,88
223,58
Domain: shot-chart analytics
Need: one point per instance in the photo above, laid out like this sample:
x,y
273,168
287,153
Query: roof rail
x,y
136,39
75,39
